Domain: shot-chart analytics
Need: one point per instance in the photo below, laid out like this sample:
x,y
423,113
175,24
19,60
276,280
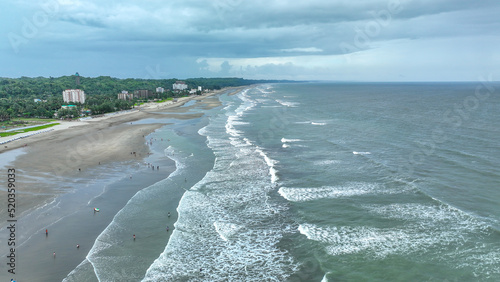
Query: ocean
x,y
318,182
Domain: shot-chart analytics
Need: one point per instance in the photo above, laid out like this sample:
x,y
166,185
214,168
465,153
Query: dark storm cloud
x,y
307,37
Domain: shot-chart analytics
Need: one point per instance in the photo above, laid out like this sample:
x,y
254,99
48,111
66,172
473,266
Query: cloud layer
x,y
318,39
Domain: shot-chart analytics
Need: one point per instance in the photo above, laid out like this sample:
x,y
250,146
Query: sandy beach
x,y
76,146
74,153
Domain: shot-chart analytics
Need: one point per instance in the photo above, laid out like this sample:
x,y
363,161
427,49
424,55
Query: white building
x,y
125,96
200,88
179,85
160,89
74,95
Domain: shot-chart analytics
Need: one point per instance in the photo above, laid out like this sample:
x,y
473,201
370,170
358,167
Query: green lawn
x,y
5,134
168,99
21,122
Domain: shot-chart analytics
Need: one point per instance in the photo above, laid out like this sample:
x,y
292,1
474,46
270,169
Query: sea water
x,y
322,182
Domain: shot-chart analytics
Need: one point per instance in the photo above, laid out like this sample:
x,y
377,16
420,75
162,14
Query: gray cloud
x,y
234,30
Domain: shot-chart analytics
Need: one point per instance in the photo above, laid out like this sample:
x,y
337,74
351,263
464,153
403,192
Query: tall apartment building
x,y
143,93
125,95
179,85
74,95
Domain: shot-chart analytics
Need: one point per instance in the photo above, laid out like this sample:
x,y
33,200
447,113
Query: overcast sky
x,y
361,40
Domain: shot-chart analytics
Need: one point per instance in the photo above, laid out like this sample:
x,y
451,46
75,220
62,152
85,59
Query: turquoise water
x,y
321,182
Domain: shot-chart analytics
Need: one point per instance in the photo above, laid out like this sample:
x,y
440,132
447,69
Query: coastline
x,y
77,146
63,160
108,120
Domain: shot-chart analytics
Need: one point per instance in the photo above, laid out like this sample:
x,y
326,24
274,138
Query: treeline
x,y
17,95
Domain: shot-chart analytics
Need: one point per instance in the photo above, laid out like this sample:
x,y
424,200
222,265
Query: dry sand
x,y
73,147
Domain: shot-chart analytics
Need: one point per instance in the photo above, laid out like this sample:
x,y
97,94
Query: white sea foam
x,y
226,230
318,123
428,215
361,153
285,146
287,103
270,163
285,140
228,226
331,192
419,229
326,162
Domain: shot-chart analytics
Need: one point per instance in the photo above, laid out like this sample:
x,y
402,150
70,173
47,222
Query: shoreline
x,y
77,146
58,162
108,120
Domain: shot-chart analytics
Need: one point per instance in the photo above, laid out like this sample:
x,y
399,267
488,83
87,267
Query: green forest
x,y
17,95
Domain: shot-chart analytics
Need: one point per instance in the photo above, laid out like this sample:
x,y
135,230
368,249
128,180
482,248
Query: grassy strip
x,y
164,100
5,134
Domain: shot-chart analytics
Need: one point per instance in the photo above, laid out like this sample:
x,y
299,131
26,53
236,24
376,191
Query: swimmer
x,y
134,237
168,214
167,228
54,254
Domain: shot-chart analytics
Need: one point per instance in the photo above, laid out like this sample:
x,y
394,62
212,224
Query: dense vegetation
x,y
17,95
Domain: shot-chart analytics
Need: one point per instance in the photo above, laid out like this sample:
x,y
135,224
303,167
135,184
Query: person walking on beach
x,y
54,254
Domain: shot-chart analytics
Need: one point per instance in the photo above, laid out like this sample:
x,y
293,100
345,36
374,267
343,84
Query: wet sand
x,y
77,157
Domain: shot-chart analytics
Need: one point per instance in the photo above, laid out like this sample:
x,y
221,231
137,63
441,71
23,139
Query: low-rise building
x,y
68,107
160,89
